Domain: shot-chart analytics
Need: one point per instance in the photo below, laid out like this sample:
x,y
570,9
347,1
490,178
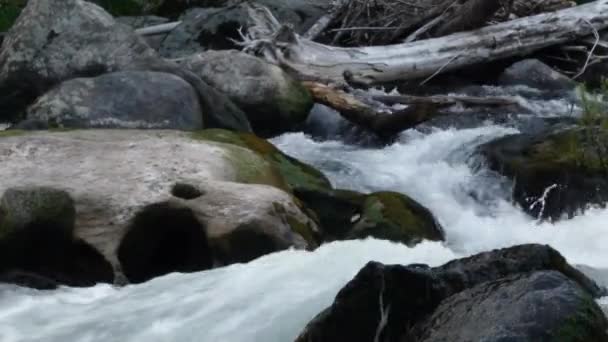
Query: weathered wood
x,y
420,59
446,100
384,125
158,29
322,23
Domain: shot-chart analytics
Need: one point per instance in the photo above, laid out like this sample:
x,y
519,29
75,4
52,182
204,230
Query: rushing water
x,y
273,297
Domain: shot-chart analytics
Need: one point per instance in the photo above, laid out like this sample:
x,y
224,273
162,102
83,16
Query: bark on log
x,y
420,59
384,125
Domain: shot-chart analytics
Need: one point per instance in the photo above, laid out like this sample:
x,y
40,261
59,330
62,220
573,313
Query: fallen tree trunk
x,y
421,59
384,125
387,124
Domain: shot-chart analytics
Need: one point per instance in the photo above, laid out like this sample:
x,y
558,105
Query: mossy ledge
x,y
296,174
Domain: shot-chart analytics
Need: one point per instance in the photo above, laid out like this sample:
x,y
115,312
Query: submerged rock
x,y
128,99
383,215
526,293
154,202
273,101
555,174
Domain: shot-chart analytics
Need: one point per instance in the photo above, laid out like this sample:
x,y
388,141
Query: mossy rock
x,y
9,11
396,217
297,175
568,168
21,207
391,216
587,324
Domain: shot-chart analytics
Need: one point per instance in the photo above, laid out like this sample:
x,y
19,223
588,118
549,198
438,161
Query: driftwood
x,y
158,29
421,59
387,124
384,125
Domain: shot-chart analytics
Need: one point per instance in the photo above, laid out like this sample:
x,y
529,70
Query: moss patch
x,y
588,324
396,217
304,229
296,102
9,11
296,174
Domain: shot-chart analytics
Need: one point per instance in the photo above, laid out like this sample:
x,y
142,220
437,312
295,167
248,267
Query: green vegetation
x,y
9,11
594,121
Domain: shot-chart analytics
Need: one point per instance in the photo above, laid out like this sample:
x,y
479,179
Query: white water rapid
x,y
272,298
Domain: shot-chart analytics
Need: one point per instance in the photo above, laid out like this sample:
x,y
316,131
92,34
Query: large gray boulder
x,y
521,293
129,99
55,40
273,101
153,202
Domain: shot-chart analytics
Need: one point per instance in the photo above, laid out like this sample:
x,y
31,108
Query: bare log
x,y
315,30
447,100
158,29
420,59
383,124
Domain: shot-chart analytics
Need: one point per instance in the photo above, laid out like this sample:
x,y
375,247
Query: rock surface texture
x,y
151,202
522,293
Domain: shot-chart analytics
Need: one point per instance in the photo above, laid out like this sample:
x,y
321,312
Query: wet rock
x,y
534,73
273,101
555,174
382,215
129,99
502,288
43,48
128,208
541,306
136,22
37,243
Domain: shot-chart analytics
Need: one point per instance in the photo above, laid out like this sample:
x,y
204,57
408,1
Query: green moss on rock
x,y
396,217
297,175
588,324
9,12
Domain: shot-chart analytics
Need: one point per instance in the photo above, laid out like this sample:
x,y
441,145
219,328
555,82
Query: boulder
x,y
128,99
539,306
555,174
37,243
502,293
160,201
383,215
535,74
43,48
216,28
273,101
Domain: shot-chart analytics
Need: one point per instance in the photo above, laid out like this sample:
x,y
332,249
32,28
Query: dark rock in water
x,y
555,174
504,288
37,246
534,73
129,99
539,306
43,48
382,215
161,239
217,28
31,280
273,101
